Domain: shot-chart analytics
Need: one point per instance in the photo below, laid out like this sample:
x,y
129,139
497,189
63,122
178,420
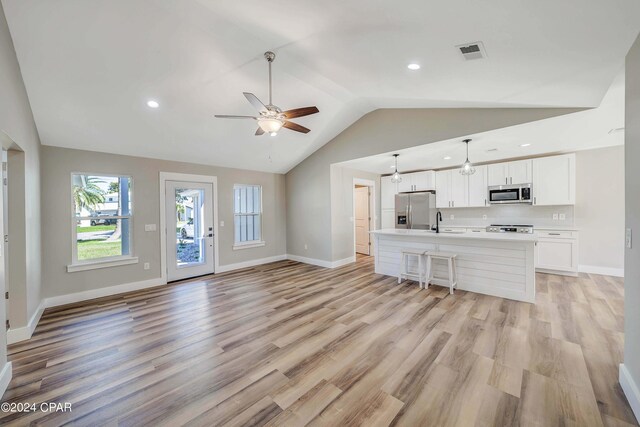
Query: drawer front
x,y
556,234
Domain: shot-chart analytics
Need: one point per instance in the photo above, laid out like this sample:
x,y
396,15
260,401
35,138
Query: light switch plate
x,y
563,217
627,238
150,227
451,216
555,216
221,223
147,266
484,217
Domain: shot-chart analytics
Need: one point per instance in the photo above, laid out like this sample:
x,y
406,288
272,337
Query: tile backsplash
x,y
538,216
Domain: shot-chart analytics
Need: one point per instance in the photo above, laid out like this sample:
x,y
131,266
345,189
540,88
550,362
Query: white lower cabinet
x,y
557,251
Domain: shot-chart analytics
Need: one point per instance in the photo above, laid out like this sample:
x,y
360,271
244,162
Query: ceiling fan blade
x,y
259,132
224,116
300,112
296,127
255,101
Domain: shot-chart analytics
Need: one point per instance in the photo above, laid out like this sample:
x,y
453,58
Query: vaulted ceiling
x,y
90,66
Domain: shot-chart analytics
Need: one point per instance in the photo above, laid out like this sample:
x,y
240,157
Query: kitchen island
x,y
498,264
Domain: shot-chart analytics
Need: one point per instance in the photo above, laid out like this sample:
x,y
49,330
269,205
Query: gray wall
x,y
59,163
16,121
308,184
632,214
599,210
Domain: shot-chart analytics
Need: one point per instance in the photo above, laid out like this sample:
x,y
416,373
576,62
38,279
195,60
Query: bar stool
x,y
403,268
450,258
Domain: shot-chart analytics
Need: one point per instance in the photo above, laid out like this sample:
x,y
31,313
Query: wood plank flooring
x,y
289,344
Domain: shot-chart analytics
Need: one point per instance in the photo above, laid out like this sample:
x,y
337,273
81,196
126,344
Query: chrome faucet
x,y
438,219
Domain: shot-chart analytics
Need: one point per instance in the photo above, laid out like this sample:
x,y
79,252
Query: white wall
x,y
630,372
599,210
59,163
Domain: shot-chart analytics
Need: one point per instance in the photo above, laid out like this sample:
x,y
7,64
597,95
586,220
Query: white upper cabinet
x,y
520,172
443,189
451,189
388,191
417,181
517,172
478,187
459,189
405,185
423,181
554,180
498,174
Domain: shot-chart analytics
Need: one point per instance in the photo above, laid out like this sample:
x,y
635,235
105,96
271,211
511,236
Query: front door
x,y
362,220
189,208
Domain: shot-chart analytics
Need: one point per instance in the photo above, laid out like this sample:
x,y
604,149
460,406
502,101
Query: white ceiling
x,y
90,66
593,128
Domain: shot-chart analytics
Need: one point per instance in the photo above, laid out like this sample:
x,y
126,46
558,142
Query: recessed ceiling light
x,y
273,133
152,104
392,166
413,67
524,145
490,150
447,157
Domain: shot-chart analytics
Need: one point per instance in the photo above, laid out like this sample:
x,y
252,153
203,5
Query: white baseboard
x,y
321,262
557,272
630,389
102,292
251,263
5,378
24,333
605,271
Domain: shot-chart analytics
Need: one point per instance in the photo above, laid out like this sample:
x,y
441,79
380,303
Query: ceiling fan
x,y
272,118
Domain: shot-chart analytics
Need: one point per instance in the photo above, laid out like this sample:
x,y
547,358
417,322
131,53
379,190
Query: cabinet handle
x,y
506,180
511,180
534,200
485,202
453,204
554,234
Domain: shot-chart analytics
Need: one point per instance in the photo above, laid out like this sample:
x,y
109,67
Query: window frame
x,y
249,243
110,261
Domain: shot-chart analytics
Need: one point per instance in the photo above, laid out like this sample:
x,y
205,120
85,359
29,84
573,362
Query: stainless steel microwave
x,y
505,194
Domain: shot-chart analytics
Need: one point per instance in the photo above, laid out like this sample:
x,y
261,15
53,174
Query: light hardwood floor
x,y
288,344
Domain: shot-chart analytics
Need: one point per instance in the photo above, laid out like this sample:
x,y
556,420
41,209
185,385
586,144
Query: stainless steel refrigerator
x,y
415,210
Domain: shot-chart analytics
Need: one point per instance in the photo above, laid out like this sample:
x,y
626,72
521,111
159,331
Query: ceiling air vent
x,y
471,51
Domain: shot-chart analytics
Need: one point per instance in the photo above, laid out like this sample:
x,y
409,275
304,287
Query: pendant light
x,y
467,168
396,178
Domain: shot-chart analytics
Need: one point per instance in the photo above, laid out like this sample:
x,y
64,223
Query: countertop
x,y
466,235
535,227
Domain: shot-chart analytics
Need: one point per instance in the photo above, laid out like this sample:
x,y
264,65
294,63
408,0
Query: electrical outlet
x,y
627,238
147,266
149,227
306,247
555,216
484,217
563,217
451,216
350,219
221,223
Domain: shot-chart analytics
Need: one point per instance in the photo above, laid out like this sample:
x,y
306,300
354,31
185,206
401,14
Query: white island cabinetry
x,y
495,264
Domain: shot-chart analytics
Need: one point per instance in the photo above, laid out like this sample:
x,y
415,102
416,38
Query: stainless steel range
x,y
510,228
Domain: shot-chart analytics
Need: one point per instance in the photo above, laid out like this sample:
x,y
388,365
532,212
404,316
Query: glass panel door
x,y
189,229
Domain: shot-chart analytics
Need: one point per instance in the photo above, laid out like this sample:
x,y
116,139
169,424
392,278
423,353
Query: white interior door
x,y
362,219
189,213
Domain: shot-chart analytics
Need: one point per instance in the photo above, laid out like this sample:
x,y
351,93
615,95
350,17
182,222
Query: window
x,y
102,209
247,216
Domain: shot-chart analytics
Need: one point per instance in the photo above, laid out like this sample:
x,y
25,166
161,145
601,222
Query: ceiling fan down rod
x,y
270,56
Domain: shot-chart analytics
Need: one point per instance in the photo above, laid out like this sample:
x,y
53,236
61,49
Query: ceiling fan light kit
x,y
272,118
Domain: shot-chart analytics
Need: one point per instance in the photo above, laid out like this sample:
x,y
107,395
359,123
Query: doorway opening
x,y
363,215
